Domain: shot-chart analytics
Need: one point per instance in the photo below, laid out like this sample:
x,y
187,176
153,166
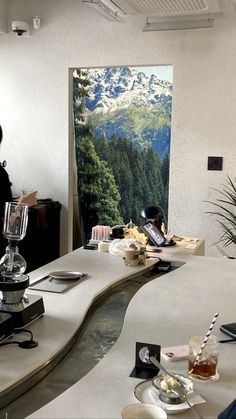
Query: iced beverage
x,y
206,366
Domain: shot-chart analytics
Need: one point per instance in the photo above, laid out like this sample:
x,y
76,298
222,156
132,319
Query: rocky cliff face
x,y
127,103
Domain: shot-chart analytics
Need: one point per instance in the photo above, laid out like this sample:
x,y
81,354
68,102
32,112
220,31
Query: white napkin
x,y
146,393
191,246
28,199
193,398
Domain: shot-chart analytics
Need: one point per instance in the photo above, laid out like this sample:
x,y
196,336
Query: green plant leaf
x,y
225,216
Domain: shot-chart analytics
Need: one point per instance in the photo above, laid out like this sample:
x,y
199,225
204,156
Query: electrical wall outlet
x,y
215,163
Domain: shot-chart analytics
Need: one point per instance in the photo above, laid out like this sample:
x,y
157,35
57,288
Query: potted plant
x,y
225,211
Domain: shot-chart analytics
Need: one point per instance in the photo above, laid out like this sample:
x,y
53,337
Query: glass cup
x,y
15,221
205,369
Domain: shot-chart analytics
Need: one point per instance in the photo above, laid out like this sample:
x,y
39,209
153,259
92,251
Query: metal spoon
x,y
178,390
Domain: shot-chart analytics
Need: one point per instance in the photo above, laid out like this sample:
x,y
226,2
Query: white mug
x,y
143,411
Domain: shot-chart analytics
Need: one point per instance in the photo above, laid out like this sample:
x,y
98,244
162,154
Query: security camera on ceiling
x,y
20,28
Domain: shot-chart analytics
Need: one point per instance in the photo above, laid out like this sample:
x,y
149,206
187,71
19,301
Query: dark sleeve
x,y
5,190
229,412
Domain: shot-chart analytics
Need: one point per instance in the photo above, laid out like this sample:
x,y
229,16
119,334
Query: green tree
x,y
138,175
165,170
119,161
80,93
142,193
101,147
165,180
109,197
98,192
153,172
87,176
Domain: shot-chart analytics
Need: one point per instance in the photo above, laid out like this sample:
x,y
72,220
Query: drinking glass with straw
x,y
203,355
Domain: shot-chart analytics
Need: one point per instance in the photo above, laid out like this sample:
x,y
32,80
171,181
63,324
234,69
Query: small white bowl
x,y
143,411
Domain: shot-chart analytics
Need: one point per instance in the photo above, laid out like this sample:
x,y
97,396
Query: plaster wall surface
x,y
34,104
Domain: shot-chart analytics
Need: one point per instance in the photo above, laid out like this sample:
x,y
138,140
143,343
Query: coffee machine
x,y
22,308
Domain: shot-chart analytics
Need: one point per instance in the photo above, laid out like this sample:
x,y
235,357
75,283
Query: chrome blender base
x,y
24,312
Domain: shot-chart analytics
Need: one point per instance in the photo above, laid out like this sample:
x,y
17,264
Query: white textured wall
x,y
34,101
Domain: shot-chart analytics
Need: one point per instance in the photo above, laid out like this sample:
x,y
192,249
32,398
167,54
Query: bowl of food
x,y
172,389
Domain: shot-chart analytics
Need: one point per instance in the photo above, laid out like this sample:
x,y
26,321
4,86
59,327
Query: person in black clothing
x,y
5,196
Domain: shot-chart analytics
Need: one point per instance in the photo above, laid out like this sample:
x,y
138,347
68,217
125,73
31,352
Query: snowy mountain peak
x,y
114,88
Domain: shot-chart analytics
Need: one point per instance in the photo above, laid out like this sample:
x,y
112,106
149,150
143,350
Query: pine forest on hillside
x,y
122,123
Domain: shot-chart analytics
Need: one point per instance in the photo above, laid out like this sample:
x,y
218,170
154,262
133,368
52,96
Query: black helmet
x,y
153,212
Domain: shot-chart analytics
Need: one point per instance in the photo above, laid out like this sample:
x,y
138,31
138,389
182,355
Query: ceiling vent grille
x,y
202,11
167,8
170,7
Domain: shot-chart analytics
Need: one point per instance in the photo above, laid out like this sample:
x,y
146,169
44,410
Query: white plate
x,y
146,393
66,274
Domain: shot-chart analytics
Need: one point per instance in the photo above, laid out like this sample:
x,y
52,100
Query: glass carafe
x,y
12,264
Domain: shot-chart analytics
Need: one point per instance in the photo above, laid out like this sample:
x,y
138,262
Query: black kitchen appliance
x,y
24,309
6,326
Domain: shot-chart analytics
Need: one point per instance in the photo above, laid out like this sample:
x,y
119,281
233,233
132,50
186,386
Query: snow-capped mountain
x,y
125,103
117,88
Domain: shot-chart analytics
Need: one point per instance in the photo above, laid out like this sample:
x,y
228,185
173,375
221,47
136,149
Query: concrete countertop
x,y
165,311
64,313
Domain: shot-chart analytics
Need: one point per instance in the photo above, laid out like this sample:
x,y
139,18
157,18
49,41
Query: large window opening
x,y
122,129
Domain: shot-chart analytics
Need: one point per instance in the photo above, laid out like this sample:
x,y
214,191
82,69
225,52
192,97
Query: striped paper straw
x,y
205,341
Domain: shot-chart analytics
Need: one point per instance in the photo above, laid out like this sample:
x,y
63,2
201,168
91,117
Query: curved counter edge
x,y
165,311
104,272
